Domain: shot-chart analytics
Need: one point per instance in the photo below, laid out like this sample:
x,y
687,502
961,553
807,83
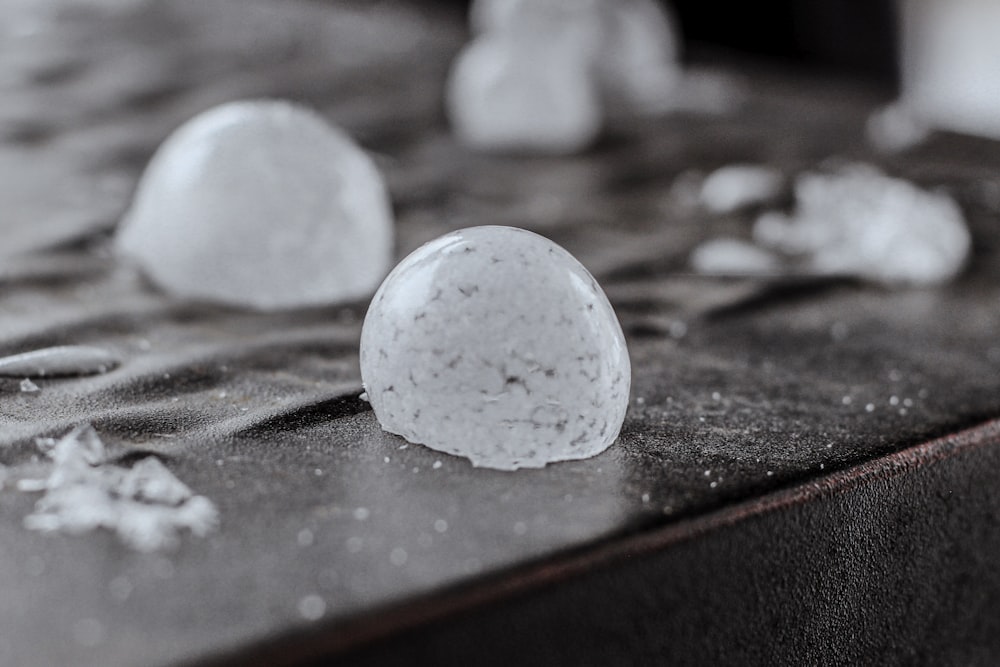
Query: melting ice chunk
x,y
146,505
495,344
860,222
61,361
738,186
504,95
29,387
261,204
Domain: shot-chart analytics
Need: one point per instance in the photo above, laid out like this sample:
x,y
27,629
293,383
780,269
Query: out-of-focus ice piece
x,y
638,63
631,47
951,64
738,186
29,387
495,344
735,257
860,222
60,361
895,128
535,96
146,505
261,204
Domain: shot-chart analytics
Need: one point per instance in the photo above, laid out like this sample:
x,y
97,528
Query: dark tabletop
x,y
742,387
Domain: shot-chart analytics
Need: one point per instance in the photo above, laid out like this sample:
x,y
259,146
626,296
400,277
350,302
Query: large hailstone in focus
x,y
261,204
495,344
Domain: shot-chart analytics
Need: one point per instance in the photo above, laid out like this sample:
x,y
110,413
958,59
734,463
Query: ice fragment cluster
x,y
739,186
495,344
541,74
261,204
855,221
145,505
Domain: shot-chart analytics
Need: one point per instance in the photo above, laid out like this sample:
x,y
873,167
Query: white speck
x,y
440,525
847,400
385,459
415,470
701,419
398,557
404,446
902,411
677,329
716,396
305,537
640,400
520,528
88,632
220,462
870,407
361,513
354,544
708,473
895,375
363,396
714,484
822,466
223,394
770,473
318,472
120,588
908,402
312,607
894,400
645,497
28,387
437,464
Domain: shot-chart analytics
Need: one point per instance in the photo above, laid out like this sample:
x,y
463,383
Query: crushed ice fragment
x,y
60,361
146,505
495,344
29,387
860,222
738,186
261,204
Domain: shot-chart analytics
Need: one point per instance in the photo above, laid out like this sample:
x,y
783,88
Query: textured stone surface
x,y
495,344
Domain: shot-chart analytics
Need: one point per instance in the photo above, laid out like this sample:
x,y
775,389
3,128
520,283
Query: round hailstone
x,y
261,204
506,93
495,344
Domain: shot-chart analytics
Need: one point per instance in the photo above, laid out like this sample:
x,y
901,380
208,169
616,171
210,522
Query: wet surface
x,y
740,387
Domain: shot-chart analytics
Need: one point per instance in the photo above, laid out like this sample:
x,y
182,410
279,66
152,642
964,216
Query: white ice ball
x,y
534,96
261,204
495,344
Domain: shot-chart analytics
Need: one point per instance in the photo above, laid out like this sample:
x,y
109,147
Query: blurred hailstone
x,y
261,204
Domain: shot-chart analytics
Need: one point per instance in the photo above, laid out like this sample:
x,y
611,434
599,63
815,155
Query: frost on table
x,y
861,222
541,73
145,505
261,204
60,361
495,344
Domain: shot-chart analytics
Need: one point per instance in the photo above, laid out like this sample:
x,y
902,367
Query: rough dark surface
x,y
260,412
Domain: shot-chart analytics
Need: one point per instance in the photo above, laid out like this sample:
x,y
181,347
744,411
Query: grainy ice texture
x,y
146,505
495,344
860,222
261,204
